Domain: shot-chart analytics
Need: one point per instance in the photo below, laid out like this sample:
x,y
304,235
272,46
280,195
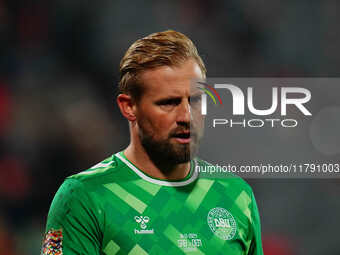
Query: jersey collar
x,y
193,173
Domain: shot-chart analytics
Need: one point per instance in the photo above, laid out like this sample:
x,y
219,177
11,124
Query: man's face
x,y
168,113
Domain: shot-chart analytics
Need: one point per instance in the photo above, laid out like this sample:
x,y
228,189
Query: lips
x,y
183,137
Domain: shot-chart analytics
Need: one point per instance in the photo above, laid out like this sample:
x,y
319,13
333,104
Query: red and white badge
x,y
53,243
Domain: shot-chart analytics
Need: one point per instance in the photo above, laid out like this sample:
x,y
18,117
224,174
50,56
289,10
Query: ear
x,y
126,106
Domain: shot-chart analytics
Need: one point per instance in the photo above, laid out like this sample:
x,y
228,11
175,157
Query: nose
x,y
184,113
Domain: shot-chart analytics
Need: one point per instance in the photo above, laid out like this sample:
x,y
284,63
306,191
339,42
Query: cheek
x,y
155,121
163,124
197,118
157,125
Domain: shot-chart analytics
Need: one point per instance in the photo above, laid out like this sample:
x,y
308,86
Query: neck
x,y
138,156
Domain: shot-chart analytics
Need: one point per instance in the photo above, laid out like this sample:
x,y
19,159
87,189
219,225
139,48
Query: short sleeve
x,y
256,242
72,227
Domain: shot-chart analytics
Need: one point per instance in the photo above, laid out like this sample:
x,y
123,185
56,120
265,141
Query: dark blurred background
x,y
58,76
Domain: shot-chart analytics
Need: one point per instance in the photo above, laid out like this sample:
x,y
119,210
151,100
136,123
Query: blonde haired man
x,y
148,198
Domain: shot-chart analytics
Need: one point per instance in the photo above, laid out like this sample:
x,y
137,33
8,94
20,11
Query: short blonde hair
x,y
167,48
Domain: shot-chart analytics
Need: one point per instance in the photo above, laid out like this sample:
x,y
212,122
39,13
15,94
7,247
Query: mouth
x,y
183,137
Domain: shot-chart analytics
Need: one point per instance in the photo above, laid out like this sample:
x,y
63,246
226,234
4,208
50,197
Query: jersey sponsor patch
x,y
222,223
53,243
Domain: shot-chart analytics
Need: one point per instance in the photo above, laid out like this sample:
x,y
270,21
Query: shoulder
x,y
107,171
96,171
78,188
218,173
89,182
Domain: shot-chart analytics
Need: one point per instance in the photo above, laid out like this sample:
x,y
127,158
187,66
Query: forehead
x,y
170,80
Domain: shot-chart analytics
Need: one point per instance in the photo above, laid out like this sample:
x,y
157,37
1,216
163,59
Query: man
x,y
148,199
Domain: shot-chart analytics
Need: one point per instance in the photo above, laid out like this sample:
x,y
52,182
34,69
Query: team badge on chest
x,y
222,223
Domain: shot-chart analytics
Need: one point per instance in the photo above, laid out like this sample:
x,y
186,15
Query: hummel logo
x,y
142,221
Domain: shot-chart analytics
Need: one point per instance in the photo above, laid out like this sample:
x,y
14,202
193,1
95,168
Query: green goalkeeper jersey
x,y
115,208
